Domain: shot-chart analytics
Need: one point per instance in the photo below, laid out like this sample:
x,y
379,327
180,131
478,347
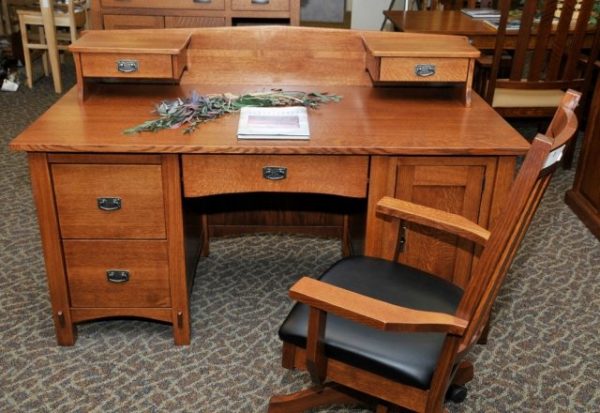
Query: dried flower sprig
x,y
198,109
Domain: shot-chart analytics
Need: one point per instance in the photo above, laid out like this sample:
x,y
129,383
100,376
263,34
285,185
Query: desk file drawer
x,y
171,4
117,273
260,5
320,174
109,200
418,69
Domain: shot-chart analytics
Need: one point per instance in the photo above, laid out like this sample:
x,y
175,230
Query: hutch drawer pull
x,y
109,203
202,1
127,66
424,70
117,276
274,173
260,1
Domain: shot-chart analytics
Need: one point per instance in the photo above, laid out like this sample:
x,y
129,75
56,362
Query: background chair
x,y
70,16
557,45
399,335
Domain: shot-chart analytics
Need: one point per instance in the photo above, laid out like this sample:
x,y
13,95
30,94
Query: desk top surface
x,y
368,120
439,21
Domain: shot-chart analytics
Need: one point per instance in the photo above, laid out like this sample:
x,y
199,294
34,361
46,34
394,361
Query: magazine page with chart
x,y
273,123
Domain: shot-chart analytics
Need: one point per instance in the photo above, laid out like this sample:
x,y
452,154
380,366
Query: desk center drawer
x,y
320,174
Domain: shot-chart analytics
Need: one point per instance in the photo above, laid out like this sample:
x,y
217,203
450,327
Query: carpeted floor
x,y
543,354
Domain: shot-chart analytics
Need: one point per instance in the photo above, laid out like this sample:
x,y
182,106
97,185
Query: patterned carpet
x,y
543,354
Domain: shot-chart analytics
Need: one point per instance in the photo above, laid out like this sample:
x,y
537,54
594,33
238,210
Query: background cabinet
x,y
584,197
153,14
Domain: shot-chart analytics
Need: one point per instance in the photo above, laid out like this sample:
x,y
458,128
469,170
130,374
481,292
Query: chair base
x,y
329,393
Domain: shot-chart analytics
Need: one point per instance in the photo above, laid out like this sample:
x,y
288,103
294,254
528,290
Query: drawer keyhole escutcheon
x,y
424,70
117,276
127,66
109,203
274,173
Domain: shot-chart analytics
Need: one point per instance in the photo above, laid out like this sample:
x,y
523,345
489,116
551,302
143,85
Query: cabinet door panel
x,y
456,185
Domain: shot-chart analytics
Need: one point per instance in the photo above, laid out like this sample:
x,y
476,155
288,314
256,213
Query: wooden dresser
x,y
123,219
159,14
584,197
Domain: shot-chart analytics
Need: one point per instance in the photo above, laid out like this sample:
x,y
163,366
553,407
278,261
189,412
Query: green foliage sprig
x,y
197,109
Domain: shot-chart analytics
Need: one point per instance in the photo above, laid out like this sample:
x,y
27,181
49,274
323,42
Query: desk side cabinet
x,y
112,232
467,186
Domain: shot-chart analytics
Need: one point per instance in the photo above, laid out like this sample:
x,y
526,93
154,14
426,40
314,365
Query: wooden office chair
x,y
70,15
552,53
378,328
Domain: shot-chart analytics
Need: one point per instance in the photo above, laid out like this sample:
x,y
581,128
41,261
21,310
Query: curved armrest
x,y
373,312
434,218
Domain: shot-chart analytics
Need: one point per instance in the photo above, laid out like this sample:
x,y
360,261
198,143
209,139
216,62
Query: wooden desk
x,y
419,144
453,22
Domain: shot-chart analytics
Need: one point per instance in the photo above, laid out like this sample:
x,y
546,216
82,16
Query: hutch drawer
x,y
171,4
396,69
132,65
109,201
124,273
216,174
260,5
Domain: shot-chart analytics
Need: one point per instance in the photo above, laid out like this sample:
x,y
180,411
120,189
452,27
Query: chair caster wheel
x,y
456,393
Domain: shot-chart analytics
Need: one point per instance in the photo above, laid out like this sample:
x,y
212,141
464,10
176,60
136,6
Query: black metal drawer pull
x,y
117,276
127,66
109,203
202,1
274,173
424,70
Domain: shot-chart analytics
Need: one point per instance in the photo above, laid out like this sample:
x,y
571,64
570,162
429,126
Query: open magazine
x,y
273,123
484,13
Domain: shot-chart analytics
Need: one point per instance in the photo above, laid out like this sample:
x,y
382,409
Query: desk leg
x,y
180,288
41,183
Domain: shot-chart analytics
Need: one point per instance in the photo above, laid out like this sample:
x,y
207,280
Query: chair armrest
x,y
434,218
373,312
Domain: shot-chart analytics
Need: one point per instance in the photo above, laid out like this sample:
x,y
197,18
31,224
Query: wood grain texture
x,y
372,312
219,174
146,261
159,4
129,22
434,218
78,187
403,69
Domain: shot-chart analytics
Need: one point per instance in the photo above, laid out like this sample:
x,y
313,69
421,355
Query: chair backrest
x,y
508,231
552,38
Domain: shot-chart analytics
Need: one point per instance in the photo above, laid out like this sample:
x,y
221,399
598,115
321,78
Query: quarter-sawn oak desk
x,y
119,219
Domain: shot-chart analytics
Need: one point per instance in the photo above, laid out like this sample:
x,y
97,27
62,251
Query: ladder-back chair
x,y
70,15
377,328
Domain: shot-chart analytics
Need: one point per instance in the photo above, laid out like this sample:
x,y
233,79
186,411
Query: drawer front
x,y
171,4
127,65
432,70
219,174
130,22
87,206
128,273
193,21
260,5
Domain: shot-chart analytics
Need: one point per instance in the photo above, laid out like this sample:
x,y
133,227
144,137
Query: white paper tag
x,y
9,86
554,156
45,3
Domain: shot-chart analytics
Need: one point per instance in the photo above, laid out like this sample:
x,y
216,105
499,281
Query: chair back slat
x,y
508,231
523,40
547,52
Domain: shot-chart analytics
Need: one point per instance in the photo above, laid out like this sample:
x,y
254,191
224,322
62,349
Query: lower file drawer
x,y
127,273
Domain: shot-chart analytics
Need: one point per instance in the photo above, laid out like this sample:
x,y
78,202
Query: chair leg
x,y
309,398
26,53
45,63
464,373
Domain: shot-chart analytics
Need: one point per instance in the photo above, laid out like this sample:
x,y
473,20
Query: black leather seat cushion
x,y
406,357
